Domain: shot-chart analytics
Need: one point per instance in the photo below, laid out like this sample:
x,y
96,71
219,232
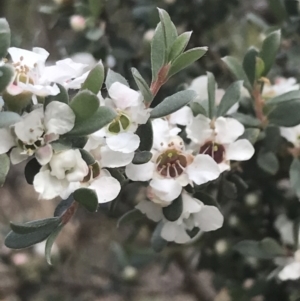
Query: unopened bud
x,y
251,199
129,273
149,34
221,246
78,23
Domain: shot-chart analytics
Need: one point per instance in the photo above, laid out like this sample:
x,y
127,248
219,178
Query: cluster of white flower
x,y
174,165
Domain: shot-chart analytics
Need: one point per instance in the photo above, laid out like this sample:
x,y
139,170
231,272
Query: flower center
x,y
119,124
22,73
215,150
94,172
171,163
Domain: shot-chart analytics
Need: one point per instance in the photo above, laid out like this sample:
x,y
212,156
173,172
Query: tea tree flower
x,y
291,134
218,139
291,270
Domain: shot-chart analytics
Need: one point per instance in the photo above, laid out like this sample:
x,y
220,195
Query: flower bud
x,y
251,199
129,273
221,246
77,23
148,36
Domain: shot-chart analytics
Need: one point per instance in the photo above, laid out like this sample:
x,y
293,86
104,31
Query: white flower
x,y
28,66
77,23
172,168
218,139
194,215
291,271
120,133
282,85
285,228
291,134
35,130
55,177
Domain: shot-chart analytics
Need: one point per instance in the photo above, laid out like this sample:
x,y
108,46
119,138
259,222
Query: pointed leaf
x,y
113,77
173,103
246,120
87,157
95,79
280,99
230,98
63,206
142,85
197,109
185,59
4,37
269,50
49,243
249,64
4,168
97,121
87,198
211,89
84,105
179,45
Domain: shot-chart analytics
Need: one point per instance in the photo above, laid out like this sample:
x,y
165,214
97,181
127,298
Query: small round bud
x,y
78,23
251,199
148,35
129,273
233,220
221,246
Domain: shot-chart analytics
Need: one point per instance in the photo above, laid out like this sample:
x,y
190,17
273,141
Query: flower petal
x,y
106,187
152,211
124,142
123,96
113,159
171,231
140,172
166,189
44,154
203,169
209,218
16,156
183,116
228,130
290,272
291,134
40,90
239,150
59,118
7,140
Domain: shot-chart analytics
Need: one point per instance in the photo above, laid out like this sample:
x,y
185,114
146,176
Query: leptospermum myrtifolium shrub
x,y
189,153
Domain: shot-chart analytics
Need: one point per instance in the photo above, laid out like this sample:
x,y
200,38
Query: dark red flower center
x,y
215,150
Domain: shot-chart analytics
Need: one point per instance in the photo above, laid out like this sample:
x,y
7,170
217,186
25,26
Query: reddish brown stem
x,y
259,104
68,214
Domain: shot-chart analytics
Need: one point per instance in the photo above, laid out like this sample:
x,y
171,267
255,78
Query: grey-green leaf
x,y
142,85
197,109
268,162
6,74
84,104
185,59
145,132
230,98
95,79
158,51
249,64
113,77
87,198
179,45
269,50
246,120
211,90
4,37
49,243
292,95
130,217
174,210
142,157
8,118
295,175
157,242
4,168
236,69
251,134
97,121
62,96
173,103
87,157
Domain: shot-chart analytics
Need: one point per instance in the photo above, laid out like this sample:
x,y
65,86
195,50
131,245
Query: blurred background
x,y
93,259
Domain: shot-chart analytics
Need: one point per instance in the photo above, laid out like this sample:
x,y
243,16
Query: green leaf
x,y
130,217
4,37
169,30
268,248
33,226
101,118
142,157
230,98
142,85
285,114
4,168
84,105
211,89
259,67
145,132
268,162
61,145
63,206
174,210
197,109
95,7
113,77
185,59
87,198
94,34
31,169
95,79
87,157
269,50
272,138
295,175
6,74
49,243
62,96
246,120
237,70
158,51
251,134
157,242
179,45
173,103
8,118
289,96
249,64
